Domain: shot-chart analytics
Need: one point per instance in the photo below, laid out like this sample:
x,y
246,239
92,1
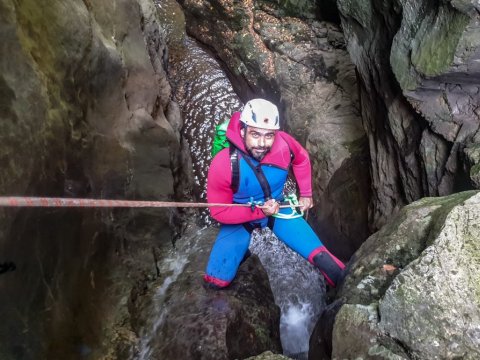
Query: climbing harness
x,y
294,205
18,201
290,201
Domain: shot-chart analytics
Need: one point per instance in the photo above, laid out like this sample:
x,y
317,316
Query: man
x,y
254,169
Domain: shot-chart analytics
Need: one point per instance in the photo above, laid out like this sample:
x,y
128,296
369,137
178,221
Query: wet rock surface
x,y
320,344
412,288
198,322
85,112
268,355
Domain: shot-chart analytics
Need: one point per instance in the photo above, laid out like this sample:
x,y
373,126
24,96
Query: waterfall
x,y
173,263
297,288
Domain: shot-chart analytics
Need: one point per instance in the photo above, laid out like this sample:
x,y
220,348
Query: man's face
x,y
258,142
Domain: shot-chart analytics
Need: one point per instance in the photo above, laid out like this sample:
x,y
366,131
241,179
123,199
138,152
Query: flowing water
x,y
206,98
297,288
173,262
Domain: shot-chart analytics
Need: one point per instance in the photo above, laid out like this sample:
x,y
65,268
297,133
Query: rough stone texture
x,y
268,355
83,106
472,152
418,68
302,65
433,305
435,57
368,341
196,322
427,305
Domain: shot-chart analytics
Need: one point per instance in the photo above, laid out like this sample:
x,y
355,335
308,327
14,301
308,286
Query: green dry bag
x,y
220,140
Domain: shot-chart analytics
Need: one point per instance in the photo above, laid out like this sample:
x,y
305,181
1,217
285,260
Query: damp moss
x,y
472,151
437,41
302,8
475,170
475,175
250,53
357,146
262,334
40,38
46,110
43,37
36,34
426,44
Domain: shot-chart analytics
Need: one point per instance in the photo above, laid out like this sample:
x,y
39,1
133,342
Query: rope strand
x,y
19,201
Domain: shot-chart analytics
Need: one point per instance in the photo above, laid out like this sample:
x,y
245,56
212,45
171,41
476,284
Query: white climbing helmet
x,y
260,113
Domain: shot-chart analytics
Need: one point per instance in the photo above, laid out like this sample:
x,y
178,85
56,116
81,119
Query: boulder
x,y
412,287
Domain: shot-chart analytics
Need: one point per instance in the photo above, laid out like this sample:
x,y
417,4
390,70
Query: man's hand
x,y
305,202
270,207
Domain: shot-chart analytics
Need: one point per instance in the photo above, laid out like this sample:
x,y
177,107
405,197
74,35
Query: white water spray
x,y
297,287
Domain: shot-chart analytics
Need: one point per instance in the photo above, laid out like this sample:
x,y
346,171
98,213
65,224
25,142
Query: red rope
x,y
19,201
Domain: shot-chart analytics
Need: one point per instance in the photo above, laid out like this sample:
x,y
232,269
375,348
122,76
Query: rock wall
x,y
85,112
418,74
280,52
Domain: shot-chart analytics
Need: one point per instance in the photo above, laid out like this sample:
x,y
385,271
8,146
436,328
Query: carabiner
x,y
294,205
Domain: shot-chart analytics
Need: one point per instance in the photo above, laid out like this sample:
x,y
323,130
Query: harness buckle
x,y
253,203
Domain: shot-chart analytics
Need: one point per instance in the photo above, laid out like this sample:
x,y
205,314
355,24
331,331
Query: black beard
x,y
257,157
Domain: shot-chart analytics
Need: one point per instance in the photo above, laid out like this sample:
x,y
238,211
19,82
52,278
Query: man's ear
x,y
242,132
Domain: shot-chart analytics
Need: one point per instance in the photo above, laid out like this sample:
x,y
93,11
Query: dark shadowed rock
x,y
320,346
83,110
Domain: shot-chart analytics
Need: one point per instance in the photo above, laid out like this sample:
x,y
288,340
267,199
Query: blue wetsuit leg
x,y
228,251
298,235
